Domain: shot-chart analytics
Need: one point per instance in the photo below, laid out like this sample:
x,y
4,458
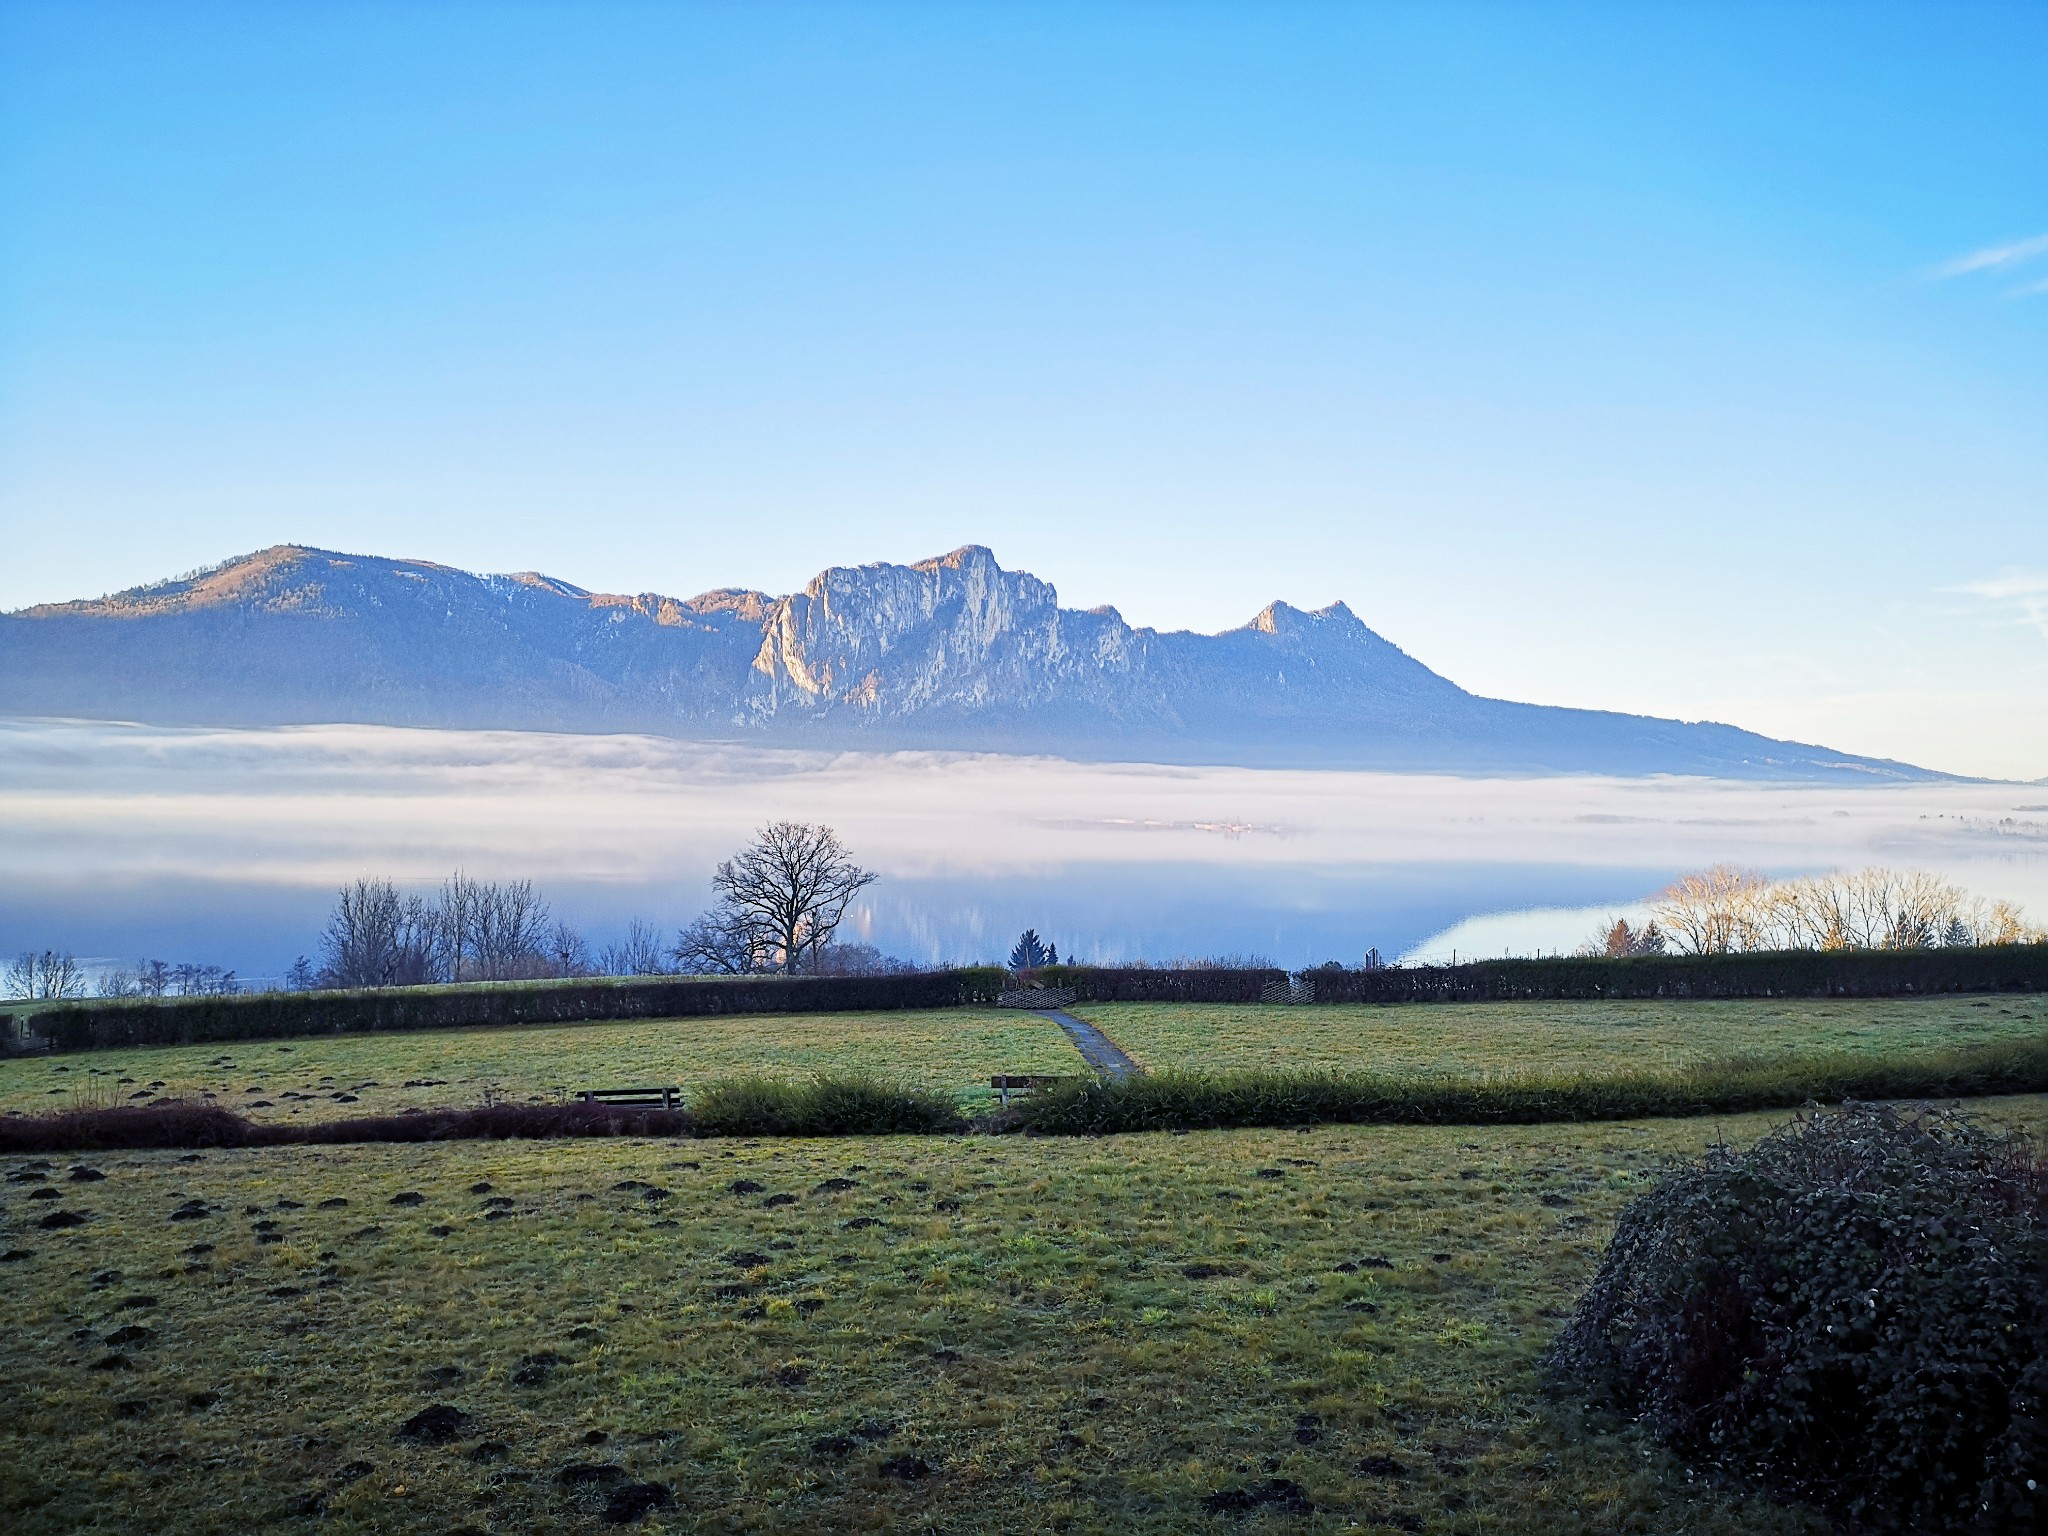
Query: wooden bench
x,y
634,1098
1020,1083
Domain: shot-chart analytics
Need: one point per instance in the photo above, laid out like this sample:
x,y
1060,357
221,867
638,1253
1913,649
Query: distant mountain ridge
x,y
953,652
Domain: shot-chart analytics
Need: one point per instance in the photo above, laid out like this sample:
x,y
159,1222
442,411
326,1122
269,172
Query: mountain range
x,y
953,653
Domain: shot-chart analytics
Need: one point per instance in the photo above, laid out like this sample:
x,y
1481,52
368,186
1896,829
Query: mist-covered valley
x,y
226,845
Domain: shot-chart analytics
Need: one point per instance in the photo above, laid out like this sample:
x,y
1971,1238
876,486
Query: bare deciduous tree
x,y
473,930
639,953
509,933
45,975
791,885
1725,909
119,982
1715,912
565,952
190,980
723,942
858,959
378,938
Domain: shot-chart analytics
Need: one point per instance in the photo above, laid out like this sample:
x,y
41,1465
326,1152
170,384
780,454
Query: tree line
x,y
50,975
781,901
1732,910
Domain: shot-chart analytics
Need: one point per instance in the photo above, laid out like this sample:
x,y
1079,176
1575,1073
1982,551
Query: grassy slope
x,y
954,1050
1554,1038
1041,1345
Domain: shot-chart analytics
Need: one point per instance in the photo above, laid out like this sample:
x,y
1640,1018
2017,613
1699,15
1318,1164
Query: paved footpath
x,y
1100,1052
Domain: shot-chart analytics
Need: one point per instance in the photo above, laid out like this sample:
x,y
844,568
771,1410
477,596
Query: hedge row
x,y
1141,984
181,1123
1777,973
853,1106
282,1015
285,1015
1216,1101
821,1106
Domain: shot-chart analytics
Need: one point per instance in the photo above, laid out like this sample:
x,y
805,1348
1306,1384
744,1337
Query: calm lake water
x,y
226,845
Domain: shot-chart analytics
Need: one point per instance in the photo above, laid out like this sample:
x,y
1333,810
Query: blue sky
x,y
1687,360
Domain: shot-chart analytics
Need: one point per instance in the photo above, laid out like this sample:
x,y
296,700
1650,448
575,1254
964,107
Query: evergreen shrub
x,y
1854,1313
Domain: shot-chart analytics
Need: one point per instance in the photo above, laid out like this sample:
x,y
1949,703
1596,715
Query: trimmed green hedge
x,y
1776,973
284,1015
1192,1101
281,1015
821,1106
1142,984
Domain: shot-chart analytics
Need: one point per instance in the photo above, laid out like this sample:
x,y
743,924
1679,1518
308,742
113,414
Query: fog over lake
x,y
226,845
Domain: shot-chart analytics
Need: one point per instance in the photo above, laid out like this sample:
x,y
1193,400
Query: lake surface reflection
x,y
226,845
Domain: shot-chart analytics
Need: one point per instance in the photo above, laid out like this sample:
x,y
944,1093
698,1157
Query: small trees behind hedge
x,y
1852,1312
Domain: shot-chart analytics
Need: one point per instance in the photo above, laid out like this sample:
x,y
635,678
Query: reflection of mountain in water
x,y
954,652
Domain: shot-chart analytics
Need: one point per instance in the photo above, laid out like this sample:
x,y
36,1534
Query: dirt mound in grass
x,y
436,1425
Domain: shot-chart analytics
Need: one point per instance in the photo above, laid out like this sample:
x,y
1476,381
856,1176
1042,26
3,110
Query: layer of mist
x,y
226,845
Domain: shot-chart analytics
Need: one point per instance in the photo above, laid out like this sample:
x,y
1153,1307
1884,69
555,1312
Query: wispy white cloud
x,y
2023,593
1994,258
2021,584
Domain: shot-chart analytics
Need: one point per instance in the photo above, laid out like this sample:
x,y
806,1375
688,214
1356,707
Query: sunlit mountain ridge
x,y
954,652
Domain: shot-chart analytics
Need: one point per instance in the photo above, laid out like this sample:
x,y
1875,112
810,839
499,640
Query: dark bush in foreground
x,y
172,1124
823,1106
1211,1101
1853,1313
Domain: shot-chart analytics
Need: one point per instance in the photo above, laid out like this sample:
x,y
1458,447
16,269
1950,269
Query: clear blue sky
x,y
1684,359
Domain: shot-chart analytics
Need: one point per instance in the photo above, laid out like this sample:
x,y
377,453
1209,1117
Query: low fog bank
x,y
226,845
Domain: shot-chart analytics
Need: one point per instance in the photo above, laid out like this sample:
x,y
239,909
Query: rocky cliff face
x,y
951,652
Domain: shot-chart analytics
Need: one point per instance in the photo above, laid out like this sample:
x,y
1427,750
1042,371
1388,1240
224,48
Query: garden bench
x,y
1020,1083
634,1098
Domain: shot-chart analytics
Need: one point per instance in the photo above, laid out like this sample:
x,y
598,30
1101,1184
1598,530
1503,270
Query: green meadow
x,y
957,1050
1324,1329
978,1334
1564,1038
953,1050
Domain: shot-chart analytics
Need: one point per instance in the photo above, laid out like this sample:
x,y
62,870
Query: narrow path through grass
x,y
1096,1048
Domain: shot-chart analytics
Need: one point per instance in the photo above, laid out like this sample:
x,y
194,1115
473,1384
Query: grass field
x,y
953,1049
956,1050
1508,1038
981,1334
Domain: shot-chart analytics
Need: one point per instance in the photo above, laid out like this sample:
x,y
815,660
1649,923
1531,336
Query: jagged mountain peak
x,y
966,557
1283,618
